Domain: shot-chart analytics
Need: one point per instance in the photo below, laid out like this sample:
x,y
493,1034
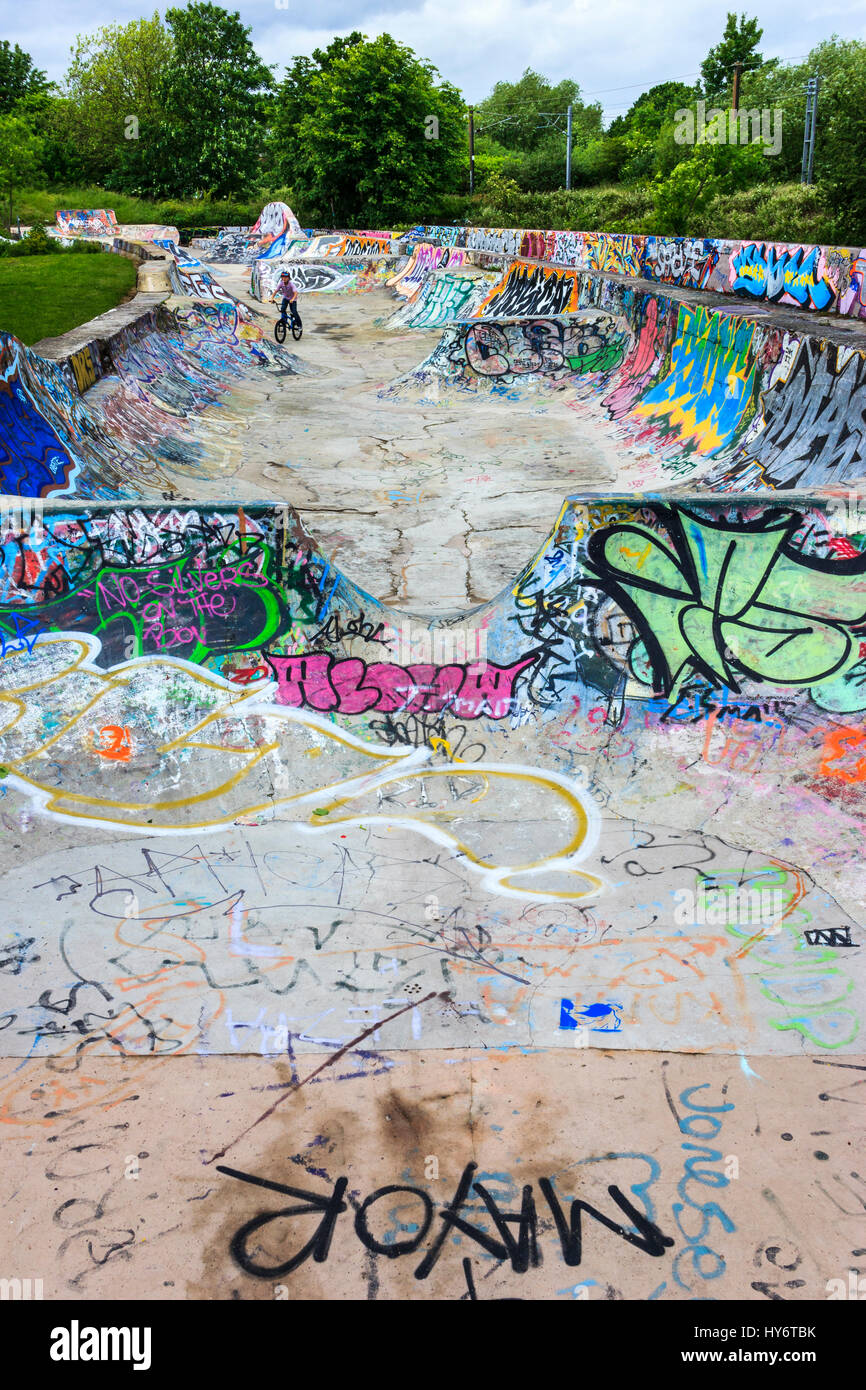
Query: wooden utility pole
x,y
735,95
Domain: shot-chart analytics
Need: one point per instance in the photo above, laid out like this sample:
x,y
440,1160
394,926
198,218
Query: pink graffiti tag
x,y
322,682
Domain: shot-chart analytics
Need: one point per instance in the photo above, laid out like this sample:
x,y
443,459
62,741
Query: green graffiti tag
x,y
603,359
193,606
729,599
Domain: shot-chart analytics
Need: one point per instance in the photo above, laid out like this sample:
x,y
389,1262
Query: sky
x,y
615,49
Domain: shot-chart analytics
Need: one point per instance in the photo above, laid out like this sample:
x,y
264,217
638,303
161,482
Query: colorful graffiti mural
x,y
424,259
817,278
198,658
530,289
728,401
530,351
92,222
708,390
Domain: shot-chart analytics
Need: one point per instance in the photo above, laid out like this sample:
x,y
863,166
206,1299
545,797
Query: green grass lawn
x,y
39,204
43,296
42,204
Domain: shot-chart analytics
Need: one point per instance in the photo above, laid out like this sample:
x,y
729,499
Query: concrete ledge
x,y
86,353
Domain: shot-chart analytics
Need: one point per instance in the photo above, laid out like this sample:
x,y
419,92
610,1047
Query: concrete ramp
x,y
693,394
130,414
602,801
443,296
424,260
275,232
358,276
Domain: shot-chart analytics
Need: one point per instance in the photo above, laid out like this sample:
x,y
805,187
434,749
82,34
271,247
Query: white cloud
x,y
623,44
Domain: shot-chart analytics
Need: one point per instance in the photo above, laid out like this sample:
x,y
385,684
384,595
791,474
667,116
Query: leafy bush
x,y
37,242
767,212
784,212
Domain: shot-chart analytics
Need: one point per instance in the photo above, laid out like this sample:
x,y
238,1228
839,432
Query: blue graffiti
x,y
765,273
33,462
593,1014
25,633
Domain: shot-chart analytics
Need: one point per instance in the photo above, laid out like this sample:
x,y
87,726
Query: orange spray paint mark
x,y
838,743
114,742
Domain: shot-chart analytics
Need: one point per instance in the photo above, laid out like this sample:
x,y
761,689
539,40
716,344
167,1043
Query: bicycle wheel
x,y
297,330
280,330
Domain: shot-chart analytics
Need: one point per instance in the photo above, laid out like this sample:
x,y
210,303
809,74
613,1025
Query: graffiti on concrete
x,y
817,278
812,425
728,600
530,290
685,261
781,275
92,222
468,690
706,395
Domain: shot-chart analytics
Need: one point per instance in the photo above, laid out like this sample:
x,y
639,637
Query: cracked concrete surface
x,y
431,509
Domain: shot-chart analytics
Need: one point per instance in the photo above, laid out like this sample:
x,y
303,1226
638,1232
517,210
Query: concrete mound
x,y
694,394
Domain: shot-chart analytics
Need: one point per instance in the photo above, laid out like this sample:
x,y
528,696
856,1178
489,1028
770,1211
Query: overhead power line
x,y
630,86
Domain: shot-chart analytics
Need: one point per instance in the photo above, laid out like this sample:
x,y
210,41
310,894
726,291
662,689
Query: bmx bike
x,y
280,329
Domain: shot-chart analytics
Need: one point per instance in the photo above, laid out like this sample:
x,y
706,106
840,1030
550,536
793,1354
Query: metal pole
x,y
804,162
568,149
735,95
809,131
472,149
814,126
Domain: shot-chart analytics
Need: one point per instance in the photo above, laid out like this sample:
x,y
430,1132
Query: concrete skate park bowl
x,y
400,902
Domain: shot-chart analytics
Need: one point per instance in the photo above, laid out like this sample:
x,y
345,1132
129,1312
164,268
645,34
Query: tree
x,y
20,152
739,44
51,117
528,117
112,87
212,94
684,195
839,169
521,115
646,116
841,134
18,77
366,132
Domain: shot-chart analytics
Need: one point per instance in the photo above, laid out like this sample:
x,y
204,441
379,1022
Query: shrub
x,y
37,242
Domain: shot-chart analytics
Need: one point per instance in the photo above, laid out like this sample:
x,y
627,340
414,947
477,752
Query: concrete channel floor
x,y
133,1176
429,508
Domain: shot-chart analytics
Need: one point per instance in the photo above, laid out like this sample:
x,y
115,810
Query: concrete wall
x,y
819,279
700,394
